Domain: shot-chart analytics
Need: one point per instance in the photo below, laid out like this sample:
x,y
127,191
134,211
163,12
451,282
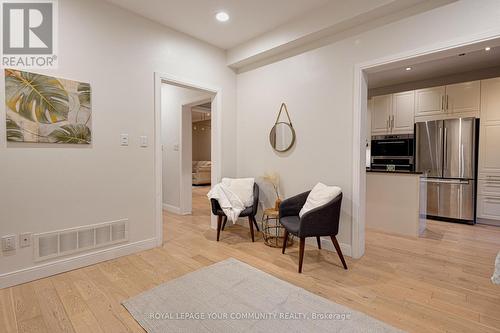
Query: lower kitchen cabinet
x,y
488,199
488,207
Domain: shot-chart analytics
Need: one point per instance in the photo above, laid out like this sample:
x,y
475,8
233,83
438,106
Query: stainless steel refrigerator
x,y
446,153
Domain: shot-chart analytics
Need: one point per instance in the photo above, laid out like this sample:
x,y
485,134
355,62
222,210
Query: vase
x,y
277,204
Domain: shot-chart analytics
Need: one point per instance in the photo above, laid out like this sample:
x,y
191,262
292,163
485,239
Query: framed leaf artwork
x,y
45,109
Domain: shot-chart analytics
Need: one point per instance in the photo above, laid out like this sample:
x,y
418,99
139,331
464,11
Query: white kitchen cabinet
x,y
369,108
488,199
488,207
489,151
403,112
430,101
463,97
381,113
393,114
490,100
489,134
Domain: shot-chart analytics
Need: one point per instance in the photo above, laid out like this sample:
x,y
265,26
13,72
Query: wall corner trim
x,y
67,264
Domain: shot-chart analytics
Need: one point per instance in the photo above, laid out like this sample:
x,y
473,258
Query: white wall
x,y
318,89
172,100
44,188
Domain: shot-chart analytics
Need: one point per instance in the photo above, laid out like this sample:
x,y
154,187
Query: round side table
x,y
272,231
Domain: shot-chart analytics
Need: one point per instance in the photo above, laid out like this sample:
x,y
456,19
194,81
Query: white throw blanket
x,y
233,195
496,275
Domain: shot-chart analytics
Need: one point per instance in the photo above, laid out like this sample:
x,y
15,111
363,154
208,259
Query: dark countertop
x,y
397,171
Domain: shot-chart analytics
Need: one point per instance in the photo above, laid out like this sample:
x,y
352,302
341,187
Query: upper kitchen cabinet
x,y
463,98
430,101
403,112
369,108
490,100
489,135
451,101
393,114
381,113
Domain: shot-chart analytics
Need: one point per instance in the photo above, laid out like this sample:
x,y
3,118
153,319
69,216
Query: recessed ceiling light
x,y
408,68
487,48
222,16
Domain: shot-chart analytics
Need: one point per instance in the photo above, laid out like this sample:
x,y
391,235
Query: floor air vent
x,y
59,243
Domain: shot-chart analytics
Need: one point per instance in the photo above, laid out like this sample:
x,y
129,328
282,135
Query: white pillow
x,y
320,195
242,187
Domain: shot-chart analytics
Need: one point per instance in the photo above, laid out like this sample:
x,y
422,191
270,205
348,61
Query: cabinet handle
x,y
442,102
447,98
392,122
492,199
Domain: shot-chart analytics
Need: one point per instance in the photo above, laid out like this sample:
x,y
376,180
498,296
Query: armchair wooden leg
x,y
318,239
285,240
255,222
224,224
301,252
219,223
339,251
250,224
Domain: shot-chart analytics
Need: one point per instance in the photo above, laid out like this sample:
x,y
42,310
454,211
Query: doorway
x,y
405,63
201,135
175,103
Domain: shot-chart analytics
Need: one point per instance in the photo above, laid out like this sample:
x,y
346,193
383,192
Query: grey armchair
x,y
249,212
320,221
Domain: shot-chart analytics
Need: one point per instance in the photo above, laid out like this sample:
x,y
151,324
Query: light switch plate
x,y
8,243
124,139
25,239
144,141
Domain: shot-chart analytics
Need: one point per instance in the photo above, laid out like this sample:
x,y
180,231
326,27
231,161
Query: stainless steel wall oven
x,y
392,152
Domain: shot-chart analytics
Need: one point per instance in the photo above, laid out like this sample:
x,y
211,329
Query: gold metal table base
x,y
272,231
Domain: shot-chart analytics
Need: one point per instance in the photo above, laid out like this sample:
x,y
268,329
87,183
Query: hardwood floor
x,y
439,283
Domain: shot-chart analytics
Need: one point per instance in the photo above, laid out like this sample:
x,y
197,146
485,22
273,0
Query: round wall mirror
x,y
282,137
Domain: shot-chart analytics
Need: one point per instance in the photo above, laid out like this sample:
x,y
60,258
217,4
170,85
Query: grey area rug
x,y
231,296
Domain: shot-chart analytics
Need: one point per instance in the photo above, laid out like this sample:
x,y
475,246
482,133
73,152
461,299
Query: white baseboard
x,y
70,263
172,209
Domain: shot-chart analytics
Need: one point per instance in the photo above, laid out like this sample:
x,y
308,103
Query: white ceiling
x,y
471,60
249,18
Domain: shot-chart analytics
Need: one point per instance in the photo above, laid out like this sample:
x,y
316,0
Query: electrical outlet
x,y
8,243
25,239
124,139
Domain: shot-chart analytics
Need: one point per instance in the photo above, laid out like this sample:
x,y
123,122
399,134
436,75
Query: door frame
x,y
360,99
216,152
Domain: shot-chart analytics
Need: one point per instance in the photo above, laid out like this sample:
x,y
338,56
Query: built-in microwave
x,y
392,152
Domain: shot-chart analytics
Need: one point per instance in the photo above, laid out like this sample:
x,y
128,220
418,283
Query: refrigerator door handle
x,y
446,181
461,166
445,150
